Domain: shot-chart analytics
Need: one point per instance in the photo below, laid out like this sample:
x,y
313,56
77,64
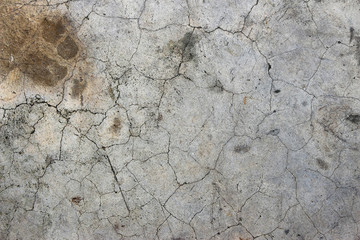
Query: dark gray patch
x,y
241,148
351,34
218,87
15,127
357,51
354,118
274,132
78,87
300,237
188,43
6,137
322,164
49,160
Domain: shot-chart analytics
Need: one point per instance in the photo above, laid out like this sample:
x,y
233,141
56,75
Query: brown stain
x,y
117,125
67,49
76,200
39,43
246,99
52,30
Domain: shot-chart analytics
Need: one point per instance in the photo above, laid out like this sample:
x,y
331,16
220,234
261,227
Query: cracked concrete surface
x,y
180,119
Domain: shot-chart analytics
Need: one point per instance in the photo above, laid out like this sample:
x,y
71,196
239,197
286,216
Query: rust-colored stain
x,y
76,200
39,43
245,99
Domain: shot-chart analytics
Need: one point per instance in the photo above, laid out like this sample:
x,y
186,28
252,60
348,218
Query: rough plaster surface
x,y
180,119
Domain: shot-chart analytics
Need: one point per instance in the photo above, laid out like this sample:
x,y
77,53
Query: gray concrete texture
x,y
180,119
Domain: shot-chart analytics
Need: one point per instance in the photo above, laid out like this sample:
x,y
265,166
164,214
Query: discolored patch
x,y
357,51
322,164
39,43
52,30
78,87
111,92
116,126
42,69
351,34
274,132
241,149
184,47
67,49
189,42
354,118
76,200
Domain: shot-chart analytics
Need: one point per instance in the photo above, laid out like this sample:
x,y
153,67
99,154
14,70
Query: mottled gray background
x,y
180,119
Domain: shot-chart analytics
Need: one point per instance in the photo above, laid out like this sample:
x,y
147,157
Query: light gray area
x,y
205,119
